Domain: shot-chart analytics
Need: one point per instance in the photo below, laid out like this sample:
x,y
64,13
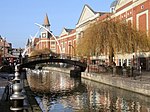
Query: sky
x,y
18,17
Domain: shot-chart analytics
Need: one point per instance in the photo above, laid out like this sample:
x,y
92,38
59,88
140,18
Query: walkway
x,y
141,84
4,104
30,104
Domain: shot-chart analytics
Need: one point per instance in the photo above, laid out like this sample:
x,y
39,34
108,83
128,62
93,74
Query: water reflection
x,y
56,92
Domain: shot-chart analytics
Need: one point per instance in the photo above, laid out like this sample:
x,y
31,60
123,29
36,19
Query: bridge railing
x,y
49,56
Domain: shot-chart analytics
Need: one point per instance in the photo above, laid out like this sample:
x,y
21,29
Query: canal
x,y
57,92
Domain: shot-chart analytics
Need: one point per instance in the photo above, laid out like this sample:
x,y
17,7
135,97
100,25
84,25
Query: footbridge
x,y
31,62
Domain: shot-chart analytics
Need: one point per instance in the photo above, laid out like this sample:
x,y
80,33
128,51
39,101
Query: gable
x,y
122,3
64,32
86,14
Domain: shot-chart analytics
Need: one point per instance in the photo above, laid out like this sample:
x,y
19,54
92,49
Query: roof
x,y
88,14
28,42
68,30
46,21
114,3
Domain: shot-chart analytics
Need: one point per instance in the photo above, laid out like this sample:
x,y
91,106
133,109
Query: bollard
x,y
124,72
17,98
140,70
17,75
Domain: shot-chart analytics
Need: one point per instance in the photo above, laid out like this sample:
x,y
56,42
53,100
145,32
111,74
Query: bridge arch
x,y
30,63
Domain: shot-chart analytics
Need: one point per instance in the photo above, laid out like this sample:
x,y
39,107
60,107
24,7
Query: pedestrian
x,y
114,69
124,70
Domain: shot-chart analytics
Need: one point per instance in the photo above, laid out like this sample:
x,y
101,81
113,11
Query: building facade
x,y
44,41
67,40
135,12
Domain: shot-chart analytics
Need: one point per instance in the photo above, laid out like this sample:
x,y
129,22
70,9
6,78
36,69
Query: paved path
x,y
4,104
29,102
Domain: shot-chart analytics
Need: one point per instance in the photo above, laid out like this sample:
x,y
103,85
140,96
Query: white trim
x,y
122,3
128,8
44,40
92,18
67,36
137,19
130,18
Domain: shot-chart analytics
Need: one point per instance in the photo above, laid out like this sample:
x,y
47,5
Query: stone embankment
x,y
30,104
139,85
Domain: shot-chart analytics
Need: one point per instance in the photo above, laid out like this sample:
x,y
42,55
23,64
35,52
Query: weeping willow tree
x,y
112,37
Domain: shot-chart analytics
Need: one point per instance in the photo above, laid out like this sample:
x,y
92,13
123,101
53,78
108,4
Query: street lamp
x,y
20,56
4,40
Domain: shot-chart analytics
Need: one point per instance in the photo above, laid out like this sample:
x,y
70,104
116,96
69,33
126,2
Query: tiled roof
x,y
114,3
68,30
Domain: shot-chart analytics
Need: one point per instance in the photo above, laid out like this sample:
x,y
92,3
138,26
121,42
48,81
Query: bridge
x,y
31,62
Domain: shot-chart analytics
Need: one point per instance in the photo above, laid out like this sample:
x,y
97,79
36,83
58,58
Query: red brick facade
x,y
135,12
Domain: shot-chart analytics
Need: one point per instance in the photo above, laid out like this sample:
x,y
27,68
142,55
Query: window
x,y
52,43
119,62
129,62
142,7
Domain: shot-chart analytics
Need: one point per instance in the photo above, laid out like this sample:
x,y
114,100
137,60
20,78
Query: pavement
x,y
30,104
4,102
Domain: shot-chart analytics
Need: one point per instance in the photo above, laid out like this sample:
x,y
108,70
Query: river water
x,y
57,92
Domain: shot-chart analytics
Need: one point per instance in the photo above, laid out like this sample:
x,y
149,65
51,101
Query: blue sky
x,y
17,17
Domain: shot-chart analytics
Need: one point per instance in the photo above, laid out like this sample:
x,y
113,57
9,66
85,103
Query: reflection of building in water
x,y
118,104
46,103
108,101
49,81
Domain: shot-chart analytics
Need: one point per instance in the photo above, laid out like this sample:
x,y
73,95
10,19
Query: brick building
x,y
44,41
135,12
67,40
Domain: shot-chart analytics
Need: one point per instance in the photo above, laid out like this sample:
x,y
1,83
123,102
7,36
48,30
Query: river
x,y
57,92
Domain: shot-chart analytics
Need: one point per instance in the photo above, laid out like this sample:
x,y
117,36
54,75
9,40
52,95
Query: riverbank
x,y
139,85
30,104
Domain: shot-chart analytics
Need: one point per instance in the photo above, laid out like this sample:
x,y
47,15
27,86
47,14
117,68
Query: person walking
x,y
114,69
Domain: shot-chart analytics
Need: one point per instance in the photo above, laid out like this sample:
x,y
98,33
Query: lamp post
x,y
73,49
20,56
4,48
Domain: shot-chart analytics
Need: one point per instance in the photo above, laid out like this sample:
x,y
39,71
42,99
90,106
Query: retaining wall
x,y
120,82
142,87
